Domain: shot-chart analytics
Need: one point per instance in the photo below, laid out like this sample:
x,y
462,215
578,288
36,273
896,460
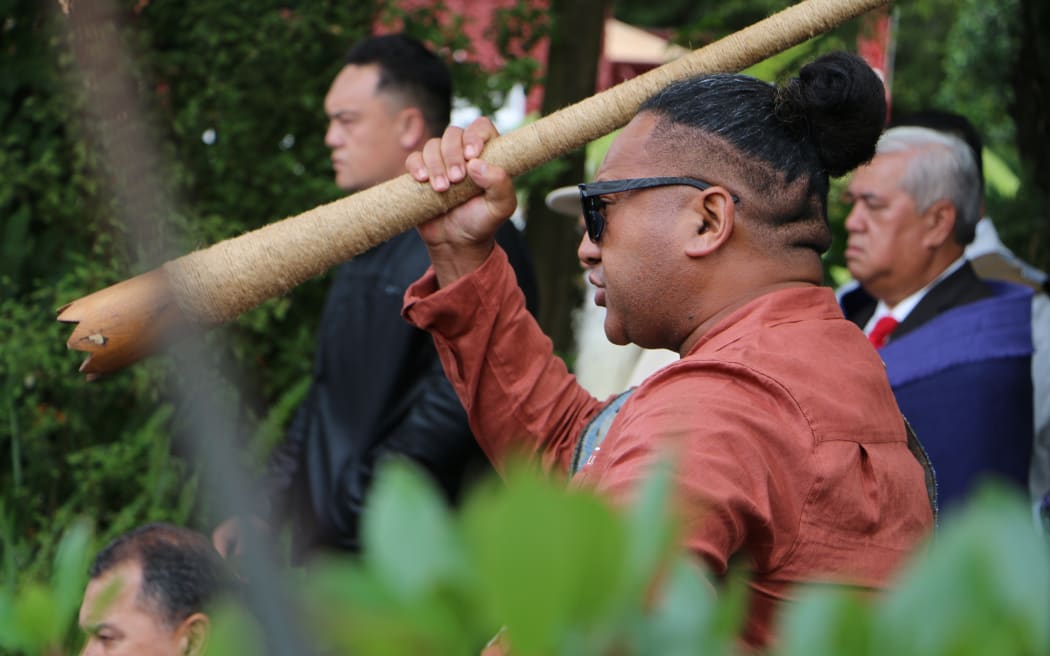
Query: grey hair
x,y
942,169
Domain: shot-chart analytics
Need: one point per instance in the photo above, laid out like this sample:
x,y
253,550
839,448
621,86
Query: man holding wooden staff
x,y
705,228
378,390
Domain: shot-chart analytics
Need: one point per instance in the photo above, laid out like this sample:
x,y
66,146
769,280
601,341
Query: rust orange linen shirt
x,y
788,444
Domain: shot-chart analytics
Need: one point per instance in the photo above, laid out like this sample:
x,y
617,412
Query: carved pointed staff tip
x,y
123,323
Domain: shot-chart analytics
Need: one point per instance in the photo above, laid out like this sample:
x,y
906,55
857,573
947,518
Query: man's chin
x,y
347,183
615,334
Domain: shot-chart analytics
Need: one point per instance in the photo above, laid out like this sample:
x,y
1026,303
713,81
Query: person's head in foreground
x,y
148,592
915,208
391,95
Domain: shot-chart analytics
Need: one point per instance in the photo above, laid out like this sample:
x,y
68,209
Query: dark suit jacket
x,y
959,365
960,288
378,393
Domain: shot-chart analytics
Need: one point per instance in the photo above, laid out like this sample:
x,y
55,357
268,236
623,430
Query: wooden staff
x,y
121,324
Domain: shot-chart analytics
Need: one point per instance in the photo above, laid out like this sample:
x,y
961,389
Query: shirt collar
x,y
901,310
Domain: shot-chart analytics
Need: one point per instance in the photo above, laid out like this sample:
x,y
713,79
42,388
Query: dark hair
x,y
408,68
181,572
782,142
949,123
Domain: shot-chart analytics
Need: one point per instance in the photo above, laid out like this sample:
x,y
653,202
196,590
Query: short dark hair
x,y
408,68
782,142
181,571
949,123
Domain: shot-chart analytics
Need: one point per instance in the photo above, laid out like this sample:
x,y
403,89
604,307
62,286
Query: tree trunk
x,y
1031,82
572,68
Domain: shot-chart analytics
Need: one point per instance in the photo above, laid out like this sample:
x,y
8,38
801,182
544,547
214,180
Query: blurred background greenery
x,y
231,93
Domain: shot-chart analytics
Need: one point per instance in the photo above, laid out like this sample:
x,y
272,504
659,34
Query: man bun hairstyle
x,y
780,143
840,103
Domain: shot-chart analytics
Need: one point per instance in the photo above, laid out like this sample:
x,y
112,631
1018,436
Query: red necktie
x,y
881,332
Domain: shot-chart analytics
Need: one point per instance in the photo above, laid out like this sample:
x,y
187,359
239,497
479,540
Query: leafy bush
x,y
38,618
107,450
132,131
566,575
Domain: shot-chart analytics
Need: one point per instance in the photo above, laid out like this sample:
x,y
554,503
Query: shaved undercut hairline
x,y
787,215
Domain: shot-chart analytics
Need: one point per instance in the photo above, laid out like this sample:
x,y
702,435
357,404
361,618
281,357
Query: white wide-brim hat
x,y
564,200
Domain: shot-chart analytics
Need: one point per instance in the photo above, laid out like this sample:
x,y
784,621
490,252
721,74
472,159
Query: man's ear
x,y
713,221
939,220
192,634
412,128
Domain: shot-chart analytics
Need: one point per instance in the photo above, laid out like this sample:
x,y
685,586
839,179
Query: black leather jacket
x,y
378,390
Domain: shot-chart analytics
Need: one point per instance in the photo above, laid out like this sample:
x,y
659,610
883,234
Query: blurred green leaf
x,y
70,573
651,532
36,625
408,533
355,609
983,586
682,619
828,622
233,632
10,637
546,558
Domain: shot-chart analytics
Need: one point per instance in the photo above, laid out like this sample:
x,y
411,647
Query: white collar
x,y
901,310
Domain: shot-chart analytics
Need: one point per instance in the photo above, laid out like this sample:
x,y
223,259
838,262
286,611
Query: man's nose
x,y
855,219
590,254
333,137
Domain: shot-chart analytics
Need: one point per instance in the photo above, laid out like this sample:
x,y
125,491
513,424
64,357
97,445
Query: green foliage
x,y
572,557
226,98
36,618
558,568
987,576
158,128
699,19
977,78
69,454
982,587
514,31
234,632
105,450
564,574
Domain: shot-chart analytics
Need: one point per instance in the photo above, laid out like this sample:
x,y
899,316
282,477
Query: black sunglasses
x,y
593,205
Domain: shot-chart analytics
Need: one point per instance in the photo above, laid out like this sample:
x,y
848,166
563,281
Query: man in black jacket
x,y
378,389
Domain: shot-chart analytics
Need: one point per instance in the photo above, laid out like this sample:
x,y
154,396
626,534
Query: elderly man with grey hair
x,y
957,349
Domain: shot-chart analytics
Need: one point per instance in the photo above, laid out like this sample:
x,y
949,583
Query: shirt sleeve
x,y
520,398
